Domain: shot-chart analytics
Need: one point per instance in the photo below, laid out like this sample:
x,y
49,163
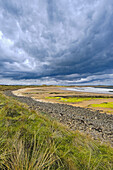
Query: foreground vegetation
x,y
33,141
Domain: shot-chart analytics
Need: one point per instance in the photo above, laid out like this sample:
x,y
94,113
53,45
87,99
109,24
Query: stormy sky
x,y
56,42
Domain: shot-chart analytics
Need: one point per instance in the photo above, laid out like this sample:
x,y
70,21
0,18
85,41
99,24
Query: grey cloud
x,y
56,39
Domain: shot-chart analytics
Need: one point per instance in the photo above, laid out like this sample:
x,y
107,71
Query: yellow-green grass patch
x,y
104,105
73,99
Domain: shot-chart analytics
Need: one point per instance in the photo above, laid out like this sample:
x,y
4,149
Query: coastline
x,y
97,90
97,125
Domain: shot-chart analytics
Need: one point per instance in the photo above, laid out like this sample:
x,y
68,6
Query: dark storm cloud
x,y
65,40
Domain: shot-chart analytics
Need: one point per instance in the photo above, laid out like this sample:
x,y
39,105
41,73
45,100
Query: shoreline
x,y
45,95
97,125
97,90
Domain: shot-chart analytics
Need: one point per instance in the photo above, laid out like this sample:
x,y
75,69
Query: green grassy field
x,y
104,105
31,141
72,99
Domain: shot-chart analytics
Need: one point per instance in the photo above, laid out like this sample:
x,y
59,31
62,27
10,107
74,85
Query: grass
x,y
31,141
104,105
8,87
15,87
71,99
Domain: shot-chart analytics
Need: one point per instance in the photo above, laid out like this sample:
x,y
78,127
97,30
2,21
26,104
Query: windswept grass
x,y
35,155
31,141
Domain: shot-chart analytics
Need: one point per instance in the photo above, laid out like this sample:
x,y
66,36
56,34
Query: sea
x,y
104,90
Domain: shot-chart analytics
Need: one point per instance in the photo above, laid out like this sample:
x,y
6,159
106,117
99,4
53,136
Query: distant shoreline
x,y
100,90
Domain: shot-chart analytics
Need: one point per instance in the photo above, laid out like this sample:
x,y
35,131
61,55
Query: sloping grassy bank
x,y
32,141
